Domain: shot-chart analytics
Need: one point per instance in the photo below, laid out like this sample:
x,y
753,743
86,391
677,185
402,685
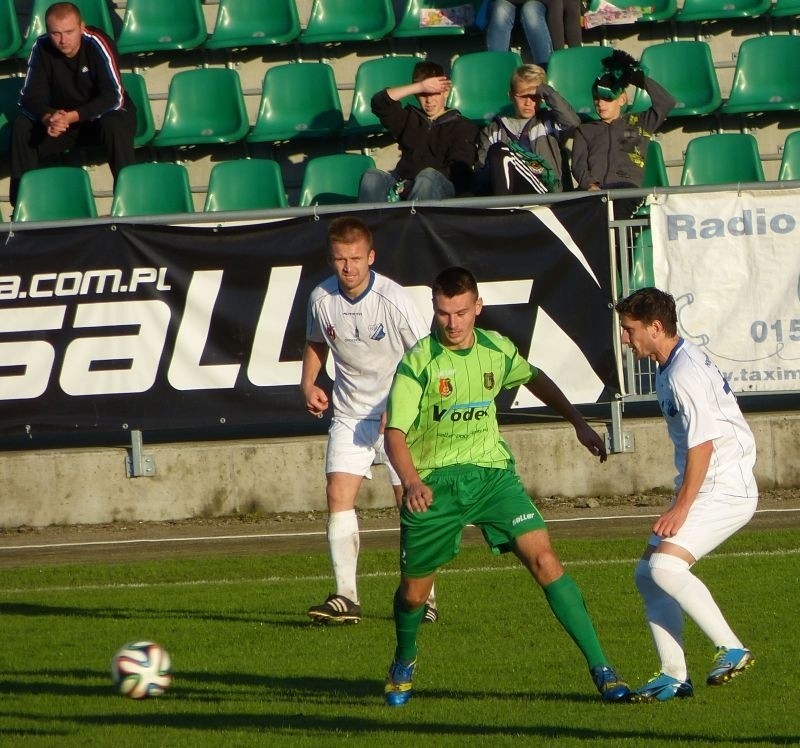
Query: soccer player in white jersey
x,y
368,322
715,494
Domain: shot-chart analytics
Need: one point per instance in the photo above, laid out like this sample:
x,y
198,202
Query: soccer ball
x,y
141,669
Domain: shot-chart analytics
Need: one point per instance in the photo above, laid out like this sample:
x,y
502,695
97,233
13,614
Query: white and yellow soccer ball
x,y
141,670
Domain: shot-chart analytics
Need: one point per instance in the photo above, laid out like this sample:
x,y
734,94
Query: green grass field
x,y
250,670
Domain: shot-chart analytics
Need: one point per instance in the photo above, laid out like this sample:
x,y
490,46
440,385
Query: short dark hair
x,y
347,230
454,281
426,69
648,305
62,9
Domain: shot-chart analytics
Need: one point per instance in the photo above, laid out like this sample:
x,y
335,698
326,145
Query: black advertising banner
x,y
113,327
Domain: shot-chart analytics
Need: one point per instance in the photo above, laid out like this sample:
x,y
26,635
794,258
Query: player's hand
x,y
668,524
418,497
437,84
316,401
592,441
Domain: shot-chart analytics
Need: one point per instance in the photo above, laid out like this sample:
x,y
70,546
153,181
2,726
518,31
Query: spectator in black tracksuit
x,y
610,152
73,95
437,145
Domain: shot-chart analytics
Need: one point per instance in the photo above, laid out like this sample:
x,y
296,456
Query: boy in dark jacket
x,y
610,152
437,145
73,94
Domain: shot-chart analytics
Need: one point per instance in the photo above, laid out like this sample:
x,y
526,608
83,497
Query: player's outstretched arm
x,y
417,495
314,355
549,393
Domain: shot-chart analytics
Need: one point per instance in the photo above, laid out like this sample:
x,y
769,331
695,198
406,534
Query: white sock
x,y
672,574
343,546
665,619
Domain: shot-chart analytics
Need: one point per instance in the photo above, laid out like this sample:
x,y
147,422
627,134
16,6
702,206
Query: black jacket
x,y
447,144
89,83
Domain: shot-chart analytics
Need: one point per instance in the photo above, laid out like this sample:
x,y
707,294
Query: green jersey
x,y
443,400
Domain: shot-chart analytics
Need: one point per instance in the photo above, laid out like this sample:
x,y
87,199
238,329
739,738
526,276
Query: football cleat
x,y
336,609
431,614
397,690
663,687
727,664
611,687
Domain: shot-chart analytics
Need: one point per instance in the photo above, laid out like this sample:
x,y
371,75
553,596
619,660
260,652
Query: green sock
x,y
569,608
406,623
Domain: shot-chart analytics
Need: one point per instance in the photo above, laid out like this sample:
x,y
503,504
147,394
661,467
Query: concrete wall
x,y
88,486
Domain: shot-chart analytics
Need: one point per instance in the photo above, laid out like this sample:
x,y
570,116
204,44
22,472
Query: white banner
x,y
732,262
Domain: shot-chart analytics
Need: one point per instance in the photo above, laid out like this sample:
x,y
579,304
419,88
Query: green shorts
x,y
489,498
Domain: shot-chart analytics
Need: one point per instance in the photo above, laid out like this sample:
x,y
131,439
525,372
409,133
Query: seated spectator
x,y
610,152
533,15
72,95
564,18
520,155
437,145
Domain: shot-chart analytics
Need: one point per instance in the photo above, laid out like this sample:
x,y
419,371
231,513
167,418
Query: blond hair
x,y
528,75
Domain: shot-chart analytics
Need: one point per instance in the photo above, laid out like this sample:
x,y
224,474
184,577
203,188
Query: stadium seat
x,y
152,189
686,70
157,26
94,12
655,171
57,193
331,180
641,271
298,99
245,184
660,10
722,158
10,38
715,10
785,8
204,106
254,23
765,79
572,71
145,125
9,96
412,20
790,162
373,76
481,84
348,21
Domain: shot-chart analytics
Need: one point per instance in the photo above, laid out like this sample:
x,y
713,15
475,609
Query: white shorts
x,y
712,519
354,446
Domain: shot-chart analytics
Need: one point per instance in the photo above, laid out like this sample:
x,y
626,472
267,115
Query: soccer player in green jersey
x,y
443,440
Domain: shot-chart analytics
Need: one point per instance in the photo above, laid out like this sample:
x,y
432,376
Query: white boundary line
x,y
316,533
224,582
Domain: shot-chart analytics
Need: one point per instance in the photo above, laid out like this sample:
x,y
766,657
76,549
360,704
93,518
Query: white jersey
x,y
367,336
699,406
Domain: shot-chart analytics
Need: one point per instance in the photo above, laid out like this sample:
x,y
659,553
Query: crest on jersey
x,y
488,380
377,332
330,331
445,387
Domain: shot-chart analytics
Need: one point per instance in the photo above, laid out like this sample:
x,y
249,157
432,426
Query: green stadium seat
x,y
145,125
9,108
572,70
722,158
152,189
245,184
785,8
332,180
348,21
298,100
790,161
204,106
373,76
10,38
641,271
410,23
94,13
716,10
481,84
57,193
655,171
765,79
254,23
686,70
159,25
